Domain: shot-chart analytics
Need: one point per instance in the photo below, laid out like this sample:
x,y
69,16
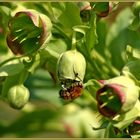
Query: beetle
x,y
71,92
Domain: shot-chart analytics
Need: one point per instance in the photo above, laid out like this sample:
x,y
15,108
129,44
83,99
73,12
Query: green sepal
x,y
71,65
127,118
130,90
18,96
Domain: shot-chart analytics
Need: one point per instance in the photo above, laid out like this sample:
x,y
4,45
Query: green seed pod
x,y
71,65
18,96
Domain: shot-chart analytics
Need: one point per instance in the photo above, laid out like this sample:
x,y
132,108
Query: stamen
x,y
104,93
23,40
15,38
104,104
111,97
19,30
38,37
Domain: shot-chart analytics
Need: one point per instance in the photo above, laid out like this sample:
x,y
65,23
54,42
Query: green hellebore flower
x,y
18,96
84,5
71,65
28,30
85,10
101,9
118,95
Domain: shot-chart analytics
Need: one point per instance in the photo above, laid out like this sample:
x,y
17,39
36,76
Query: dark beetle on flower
x,y
72,92
71,70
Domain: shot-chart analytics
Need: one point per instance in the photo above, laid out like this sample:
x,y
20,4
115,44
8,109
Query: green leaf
x,y
135,24
9,82
42,87
53,49
132,53
11,69
119,36
5,16
136,8
70,17
58,8
91,35
132,67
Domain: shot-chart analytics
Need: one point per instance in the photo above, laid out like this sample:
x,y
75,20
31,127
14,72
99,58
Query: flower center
x,y
109,102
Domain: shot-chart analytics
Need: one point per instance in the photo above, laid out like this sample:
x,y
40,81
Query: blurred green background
x,y
46,115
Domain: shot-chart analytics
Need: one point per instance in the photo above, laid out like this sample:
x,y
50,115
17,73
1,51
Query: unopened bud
x,y
18,96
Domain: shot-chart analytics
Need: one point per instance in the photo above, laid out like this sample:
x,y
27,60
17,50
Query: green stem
x,y
108,130
64,35
23,76
92,82
8,60
91,38
74,40
92,62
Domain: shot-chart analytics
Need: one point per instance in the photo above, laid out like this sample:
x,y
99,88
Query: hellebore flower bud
x,y
18,96
104,8
28,30
84,10
71,65
101,9
85,5
71,70
118,95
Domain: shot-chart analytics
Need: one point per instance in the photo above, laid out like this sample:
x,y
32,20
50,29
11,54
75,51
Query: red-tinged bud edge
x,y
117,91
